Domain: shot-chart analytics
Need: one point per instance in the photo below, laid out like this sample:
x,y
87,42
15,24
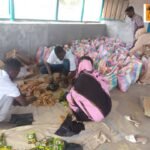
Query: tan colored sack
x,y
139,47
22,57
11,54
139,32
1,64
146,105
145,78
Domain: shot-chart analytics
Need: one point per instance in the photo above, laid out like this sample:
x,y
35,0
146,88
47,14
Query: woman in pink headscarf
x,y
89,97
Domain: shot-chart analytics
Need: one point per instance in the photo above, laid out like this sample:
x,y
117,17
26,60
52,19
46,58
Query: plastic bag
x,y
137,69
145,78
112,78
124,79
42,54
112,81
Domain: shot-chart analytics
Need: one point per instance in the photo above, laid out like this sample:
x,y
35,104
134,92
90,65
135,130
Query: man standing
x,y
135,18
9,92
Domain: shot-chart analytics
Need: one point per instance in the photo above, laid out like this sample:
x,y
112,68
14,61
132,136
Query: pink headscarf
x,y
85,65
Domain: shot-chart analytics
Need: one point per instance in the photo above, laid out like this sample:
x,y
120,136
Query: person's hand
x,y
71,75
51,79
31,99
130,54
15,103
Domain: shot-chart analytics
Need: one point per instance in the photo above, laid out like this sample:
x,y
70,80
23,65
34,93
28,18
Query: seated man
x,y
9,91
60,61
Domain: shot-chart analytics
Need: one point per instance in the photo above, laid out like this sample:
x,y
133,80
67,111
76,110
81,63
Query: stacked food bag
x,y
110,58
43,54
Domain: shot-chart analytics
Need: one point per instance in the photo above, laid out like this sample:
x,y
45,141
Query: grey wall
x,y
118,29
124,29
28,37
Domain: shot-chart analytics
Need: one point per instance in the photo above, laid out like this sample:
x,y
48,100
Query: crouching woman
x,y
89,96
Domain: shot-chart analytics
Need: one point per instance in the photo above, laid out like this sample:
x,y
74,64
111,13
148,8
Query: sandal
x,y
136,139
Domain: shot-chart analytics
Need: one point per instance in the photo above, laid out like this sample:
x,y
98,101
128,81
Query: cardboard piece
x,y
146,105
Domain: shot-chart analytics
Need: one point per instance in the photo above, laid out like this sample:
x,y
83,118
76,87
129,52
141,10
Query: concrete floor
x,y
129,103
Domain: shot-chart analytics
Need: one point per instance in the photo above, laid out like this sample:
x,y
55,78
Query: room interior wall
x,y
29,37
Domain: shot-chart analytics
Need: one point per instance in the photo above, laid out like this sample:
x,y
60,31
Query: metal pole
x,y
57,10
11,10
101,10
82,12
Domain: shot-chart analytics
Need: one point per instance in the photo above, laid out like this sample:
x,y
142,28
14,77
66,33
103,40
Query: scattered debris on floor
x,y
136,139
102,138
130,119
